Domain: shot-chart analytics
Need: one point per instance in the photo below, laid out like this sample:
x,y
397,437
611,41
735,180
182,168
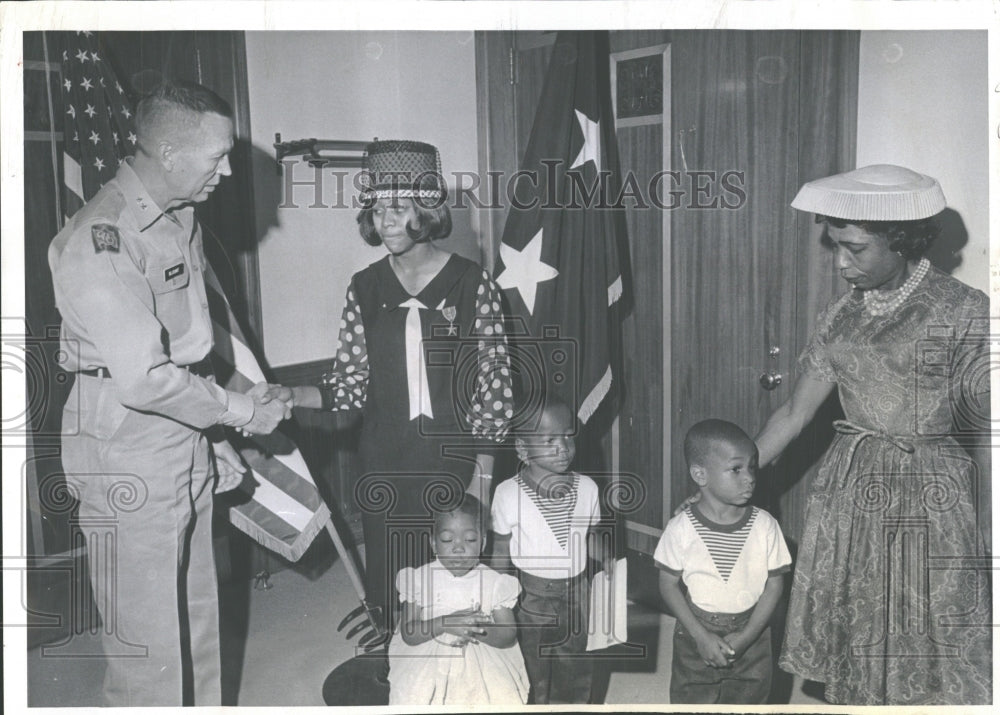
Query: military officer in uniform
x,y
128,277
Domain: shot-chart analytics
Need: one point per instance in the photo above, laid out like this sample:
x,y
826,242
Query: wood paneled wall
x,y
780,107
777,108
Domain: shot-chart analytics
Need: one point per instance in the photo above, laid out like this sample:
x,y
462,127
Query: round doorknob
x,y
770,380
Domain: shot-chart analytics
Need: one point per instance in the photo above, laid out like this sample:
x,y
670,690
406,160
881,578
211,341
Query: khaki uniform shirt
x,y
129,286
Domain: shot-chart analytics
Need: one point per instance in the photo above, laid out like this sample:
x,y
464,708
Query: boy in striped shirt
x,y
544,519
731,556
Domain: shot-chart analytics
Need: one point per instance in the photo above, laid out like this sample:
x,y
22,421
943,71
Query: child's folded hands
x,y
738,642
462,626
714,650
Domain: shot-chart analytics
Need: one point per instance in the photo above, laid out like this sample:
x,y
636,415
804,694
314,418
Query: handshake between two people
x,y
272,404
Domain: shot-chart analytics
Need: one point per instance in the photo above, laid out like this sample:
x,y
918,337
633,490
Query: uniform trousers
x,y
552,631
747,680
145,489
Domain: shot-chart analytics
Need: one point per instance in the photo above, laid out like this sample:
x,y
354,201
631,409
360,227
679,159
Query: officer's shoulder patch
x,y
105,237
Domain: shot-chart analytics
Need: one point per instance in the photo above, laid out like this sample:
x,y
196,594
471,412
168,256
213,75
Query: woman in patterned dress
x,y
423,356
890,602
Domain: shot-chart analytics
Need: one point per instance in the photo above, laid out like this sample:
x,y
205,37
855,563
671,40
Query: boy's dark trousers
x,y
552,630
746,681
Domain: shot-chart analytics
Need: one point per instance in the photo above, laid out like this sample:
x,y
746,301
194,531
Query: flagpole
x,y
345,556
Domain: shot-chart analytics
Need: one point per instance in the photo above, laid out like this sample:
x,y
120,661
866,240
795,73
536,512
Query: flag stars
x,y
68,84
132,138
82,56
94,57
119,88
524,270
98,164
115,136
71,111
90,111
591,149
127,114
94,138
86,84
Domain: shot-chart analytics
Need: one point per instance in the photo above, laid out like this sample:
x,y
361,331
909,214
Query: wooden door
x,y
747,283
765,112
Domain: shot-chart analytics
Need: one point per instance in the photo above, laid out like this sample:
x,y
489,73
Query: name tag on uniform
x,y
167,276
173,272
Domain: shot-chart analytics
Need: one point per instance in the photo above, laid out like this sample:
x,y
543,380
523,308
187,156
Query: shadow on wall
x,y
269,195
267,189
463,239
946,252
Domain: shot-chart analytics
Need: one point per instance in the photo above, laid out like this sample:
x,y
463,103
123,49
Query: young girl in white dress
x,y
456,643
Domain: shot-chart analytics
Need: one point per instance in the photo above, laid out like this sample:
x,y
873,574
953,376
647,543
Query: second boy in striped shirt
x,y
544,519
731,557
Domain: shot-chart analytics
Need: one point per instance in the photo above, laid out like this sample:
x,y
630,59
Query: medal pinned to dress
x,y
450,312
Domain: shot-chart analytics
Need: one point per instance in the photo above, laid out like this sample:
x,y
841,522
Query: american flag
x,y
283,510
99,122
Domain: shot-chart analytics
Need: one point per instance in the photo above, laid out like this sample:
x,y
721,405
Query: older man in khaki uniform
x,y
128,276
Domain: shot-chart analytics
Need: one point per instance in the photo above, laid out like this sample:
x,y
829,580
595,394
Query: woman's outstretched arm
x,y
788,421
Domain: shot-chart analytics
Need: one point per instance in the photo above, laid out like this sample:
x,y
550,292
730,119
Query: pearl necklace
x,y
883,302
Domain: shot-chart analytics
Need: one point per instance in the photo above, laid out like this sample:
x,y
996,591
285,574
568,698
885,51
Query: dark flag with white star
x,y
559,261
99,127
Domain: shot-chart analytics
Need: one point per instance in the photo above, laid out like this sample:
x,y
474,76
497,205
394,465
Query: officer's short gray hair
x,y
170,100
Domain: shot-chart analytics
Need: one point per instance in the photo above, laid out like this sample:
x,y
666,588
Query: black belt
x,y
202,368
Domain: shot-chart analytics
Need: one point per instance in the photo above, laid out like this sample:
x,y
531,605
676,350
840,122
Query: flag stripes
x,y
280,504
74,178
285,510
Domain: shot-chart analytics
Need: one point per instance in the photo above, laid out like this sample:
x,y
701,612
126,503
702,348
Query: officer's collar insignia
x,y
105,237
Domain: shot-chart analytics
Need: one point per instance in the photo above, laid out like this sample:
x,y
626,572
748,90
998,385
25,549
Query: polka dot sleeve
x,y
345,386
492,405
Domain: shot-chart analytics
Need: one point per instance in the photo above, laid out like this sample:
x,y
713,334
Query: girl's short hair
x,y
468,505
433,222
910,239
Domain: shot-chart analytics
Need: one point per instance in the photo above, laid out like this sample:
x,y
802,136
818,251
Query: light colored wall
x,y
922,103
355,86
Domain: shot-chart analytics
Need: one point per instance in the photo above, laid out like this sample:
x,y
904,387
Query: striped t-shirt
x,y
556,508
548,537
724,546
724,566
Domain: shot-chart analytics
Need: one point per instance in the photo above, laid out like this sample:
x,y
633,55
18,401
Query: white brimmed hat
x,y
881,192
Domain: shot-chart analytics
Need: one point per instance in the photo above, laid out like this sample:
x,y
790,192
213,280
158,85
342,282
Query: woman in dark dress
x,y
423,356
890,602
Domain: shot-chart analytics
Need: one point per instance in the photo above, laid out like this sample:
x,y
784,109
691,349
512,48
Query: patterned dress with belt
x,y
890,602
431,375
